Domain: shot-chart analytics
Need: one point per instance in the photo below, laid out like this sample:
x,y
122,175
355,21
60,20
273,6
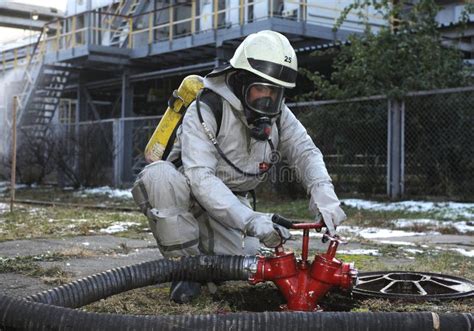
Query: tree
x,y
406,55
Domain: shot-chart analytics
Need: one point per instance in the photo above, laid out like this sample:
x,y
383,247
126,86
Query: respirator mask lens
x,y
264,98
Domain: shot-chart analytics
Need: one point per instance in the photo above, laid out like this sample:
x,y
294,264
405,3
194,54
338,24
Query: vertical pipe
x,y
13,171
193,17
130,32
150,28
271,8
304,250
118,151
305,11
242,18
88,24
216,8
171,13
74,31
58,32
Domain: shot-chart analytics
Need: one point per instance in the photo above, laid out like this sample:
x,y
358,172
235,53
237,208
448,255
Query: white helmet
x,y
268,54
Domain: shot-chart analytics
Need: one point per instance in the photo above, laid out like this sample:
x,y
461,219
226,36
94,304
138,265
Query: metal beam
x,y
25,16
148,75
21,23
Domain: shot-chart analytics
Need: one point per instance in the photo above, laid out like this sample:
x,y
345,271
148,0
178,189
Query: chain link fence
x,y
436,147
439,144
436,143
70,154
353,139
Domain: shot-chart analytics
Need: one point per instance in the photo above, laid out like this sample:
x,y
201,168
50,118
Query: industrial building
x,y
114,64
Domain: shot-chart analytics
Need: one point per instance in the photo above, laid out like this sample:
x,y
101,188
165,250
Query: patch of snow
x,y
446,209
462,251
413,250
105,190
360,252
399,243
118,227
370,233
406,223
4,186
85,243
4,207
36,211
78,220
461,226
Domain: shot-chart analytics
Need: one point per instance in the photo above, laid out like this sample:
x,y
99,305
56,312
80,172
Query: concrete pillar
x,y
396,149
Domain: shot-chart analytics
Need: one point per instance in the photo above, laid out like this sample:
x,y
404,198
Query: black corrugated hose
x,y
47,310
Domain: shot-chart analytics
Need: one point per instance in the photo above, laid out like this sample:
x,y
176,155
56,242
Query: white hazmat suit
x,y
196,210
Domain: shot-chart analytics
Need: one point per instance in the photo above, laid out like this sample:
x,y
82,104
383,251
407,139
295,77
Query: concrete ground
x,y
105,251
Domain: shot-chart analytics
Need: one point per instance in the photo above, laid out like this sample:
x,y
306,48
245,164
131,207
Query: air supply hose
x,y
47,310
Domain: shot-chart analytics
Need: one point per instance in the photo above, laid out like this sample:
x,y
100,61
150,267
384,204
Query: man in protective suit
x,y
196,201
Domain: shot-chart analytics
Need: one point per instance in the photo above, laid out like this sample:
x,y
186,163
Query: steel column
x,y
118,151
80,115
123,135
395,149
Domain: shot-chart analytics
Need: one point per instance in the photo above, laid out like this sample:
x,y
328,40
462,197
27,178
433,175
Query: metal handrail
x,y
67,39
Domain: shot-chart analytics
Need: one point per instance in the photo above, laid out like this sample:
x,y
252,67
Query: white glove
x,y
325,201
270,234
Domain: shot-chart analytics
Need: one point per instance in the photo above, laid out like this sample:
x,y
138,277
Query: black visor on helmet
x,y
264,98
274,70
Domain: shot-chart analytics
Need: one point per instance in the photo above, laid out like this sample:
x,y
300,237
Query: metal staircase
x,y
42,90
121,26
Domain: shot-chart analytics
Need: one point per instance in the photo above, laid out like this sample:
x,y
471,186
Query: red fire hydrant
x,y
304,283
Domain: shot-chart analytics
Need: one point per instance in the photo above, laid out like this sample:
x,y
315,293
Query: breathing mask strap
x,y
213,139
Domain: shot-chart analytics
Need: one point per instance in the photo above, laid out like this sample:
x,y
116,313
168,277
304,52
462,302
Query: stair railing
x,y
31,72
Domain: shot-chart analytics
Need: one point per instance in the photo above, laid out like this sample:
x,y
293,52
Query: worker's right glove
x,y
270,234
325,202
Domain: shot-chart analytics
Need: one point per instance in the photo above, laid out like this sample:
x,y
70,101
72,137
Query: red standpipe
x,y
304,283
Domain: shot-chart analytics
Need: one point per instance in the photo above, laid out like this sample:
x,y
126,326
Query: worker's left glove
x,y
262,227
278,236
325,201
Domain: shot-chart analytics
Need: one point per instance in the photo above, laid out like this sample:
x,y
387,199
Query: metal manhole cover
x,y
412,286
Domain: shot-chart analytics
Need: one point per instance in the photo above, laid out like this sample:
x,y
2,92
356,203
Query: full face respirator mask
x,y
261,101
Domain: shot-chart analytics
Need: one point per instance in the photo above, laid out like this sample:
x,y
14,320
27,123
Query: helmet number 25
x,y
288,59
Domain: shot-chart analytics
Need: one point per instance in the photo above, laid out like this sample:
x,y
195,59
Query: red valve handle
x,y
289,224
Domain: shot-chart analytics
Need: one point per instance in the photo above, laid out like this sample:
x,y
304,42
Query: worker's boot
x,y
184,291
